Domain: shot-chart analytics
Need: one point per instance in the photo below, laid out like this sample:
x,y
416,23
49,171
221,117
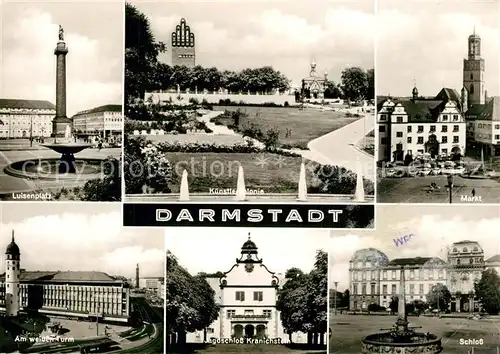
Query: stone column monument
x,y
60,122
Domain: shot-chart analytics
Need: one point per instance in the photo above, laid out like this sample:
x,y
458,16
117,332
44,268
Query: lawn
x,y
347,332
227,140
242,348
415,190
305,125
270,172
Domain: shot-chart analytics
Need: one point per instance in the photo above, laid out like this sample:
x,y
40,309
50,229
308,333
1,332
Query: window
x,y
412,289
384,289
420,129
363,275
231,313
393,274
497,137
408,140
497,126
445,151
455,128
399,147
455,117
384,274
393,289
372,289
248,312
383,141
267,313
257,295
381,128
444,129
433,129
363,289
458,261
471,76
471,261
355,288
412,274
409,129
399,134
445,117
420,151
383,117
374,275
240,296
444,139
455,139
420,140
410,152
471,89
399,119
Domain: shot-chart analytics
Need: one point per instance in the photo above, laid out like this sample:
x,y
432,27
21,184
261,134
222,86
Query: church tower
x,y
473,79
12,270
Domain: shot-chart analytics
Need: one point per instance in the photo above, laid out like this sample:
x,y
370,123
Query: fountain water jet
x,y
401,338
184,191
302,184
241,192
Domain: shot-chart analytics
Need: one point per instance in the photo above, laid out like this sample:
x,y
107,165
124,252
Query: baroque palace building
x,y
445,124
247,294
71,294
25,118
374,279
104,121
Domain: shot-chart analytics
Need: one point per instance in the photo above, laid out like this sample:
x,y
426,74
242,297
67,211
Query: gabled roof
x,y
488,111
65,277
493,259
25,104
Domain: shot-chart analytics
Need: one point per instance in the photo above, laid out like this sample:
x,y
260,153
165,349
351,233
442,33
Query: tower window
x,y
471,76
471,89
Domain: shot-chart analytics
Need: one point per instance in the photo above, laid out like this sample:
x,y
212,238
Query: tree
x,y
439,297
344,302
370,89
141,52
332,90
354,83
488,291
303,301
394,305
134,165
190,301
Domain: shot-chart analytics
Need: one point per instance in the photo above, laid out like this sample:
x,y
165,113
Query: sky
x,y
434,228
237,34
80,236
215,249
427,40
94,36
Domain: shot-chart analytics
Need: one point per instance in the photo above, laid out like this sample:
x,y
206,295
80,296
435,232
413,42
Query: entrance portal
x,y
261,331
249,331
238,331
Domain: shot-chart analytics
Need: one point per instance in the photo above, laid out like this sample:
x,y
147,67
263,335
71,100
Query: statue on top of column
x,y
61,33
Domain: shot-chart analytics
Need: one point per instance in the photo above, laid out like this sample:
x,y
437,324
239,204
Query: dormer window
x,y
465,249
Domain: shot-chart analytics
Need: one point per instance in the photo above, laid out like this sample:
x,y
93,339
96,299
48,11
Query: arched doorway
x,y
456,150
238,331
261,331
398,154
249,331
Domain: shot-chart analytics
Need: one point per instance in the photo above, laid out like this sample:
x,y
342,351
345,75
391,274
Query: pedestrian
x,y
473,192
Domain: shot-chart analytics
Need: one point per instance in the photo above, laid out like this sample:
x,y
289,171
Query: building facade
x,y
374,279
25,118
421,125
104,122
183,46
247,296
71,294
314,86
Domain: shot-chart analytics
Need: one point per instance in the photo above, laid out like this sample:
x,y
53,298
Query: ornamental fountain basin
x,y
414,343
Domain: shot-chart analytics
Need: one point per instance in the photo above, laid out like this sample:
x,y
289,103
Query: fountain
x,y
401,338
66,167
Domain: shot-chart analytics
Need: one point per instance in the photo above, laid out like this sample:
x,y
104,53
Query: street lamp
x,y
335,298
450,186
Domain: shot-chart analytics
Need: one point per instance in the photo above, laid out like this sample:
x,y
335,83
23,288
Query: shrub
x,y
338,180
106,189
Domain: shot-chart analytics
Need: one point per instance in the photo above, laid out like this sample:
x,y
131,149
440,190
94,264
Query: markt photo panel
x,y
438,99
84,284
240,290
426,281
61,122
274,103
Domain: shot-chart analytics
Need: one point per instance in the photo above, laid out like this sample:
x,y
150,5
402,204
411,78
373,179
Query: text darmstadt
x,y
254,215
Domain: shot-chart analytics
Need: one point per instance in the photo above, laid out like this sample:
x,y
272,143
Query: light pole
x,y
450,187
31,131
335,298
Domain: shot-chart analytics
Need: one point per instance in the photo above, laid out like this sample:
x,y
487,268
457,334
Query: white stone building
x,y
25,118
103,121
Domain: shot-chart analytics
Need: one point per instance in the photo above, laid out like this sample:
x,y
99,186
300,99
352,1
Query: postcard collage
x,y
247,176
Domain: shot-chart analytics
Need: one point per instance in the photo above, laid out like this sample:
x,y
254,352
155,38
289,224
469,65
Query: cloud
x,y
285,36
94,67
83,241
215,249
433,234
427,42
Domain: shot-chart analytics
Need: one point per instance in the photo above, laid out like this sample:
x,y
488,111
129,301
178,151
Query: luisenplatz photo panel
x,y
86,284
241,291
61,101
438,99
273,104
426,279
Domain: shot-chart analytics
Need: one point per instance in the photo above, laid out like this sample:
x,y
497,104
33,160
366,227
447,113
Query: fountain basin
x,y
50,169
64,149
387,343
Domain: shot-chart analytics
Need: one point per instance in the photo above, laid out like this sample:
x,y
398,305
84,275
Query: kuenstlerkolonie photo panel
x,y
246,290
273,104
72,279
438,98
61,101
426,279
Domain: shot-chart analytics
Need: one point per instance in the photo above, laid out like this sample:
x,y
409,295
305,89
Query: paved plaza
x,y
417,190
10,184
348,330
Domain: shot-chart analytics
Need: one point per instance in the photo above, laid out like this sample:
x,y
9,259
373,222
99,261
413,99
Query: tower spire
x,y
12,235
249,235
